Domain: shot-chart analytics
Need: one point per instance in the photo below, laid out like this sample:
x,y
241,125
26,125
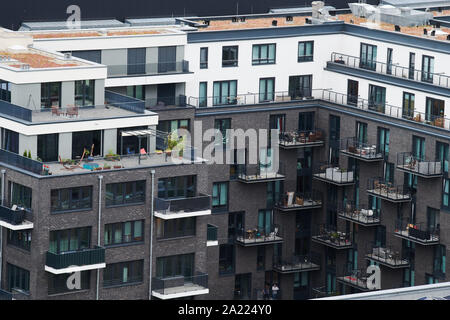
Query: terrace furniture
x,y
57,111
72,111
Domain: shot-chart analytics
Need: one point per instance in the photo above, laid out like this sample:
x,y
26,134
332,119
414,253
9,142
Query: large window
x,y
122,193
137,92
173,266
412,65
306,121
368,57
361,132
204,58
408,105
300,86
305,51
90,55
86,140
20,239
435,111
136,61
263,54
222,126
225,92
177,187
47,147
383,140
226,258
57,283
51,95
5,91
261,258
20,195
123,273
124,232
220,197
84,93
10,140
130,145
71,199
446,194
427,68
18,278
377,98
70,240
175,228
230,56
170,126
266,89
442,154
203,94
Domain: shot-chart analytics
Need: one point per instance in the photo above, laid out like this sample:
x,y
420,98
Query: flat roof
x,y
35,59
61,25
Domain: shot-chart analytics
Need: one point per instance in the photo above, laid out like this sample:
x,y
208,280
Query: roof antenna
x,y
237,8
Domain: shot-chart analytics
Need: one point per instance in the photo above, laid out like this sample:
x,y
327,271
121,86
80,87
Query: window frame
x,y
302,53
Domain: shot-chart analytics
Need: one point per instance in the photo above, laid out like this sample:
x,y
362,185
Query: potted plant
x,y
117,166
106,167
112,156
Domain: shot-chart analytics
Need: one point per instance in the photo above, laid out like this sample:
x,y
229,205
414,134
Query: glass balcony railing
x,y
189,205
332,174
252,173
144,69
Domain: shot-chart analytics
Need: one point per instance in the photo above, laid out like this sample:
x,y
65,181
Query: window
x,y
389,172
50,95
90,55
352,92
20,239
265,221
263,54
368,56
427,68
47,147
177,187
305,51
222,126
20,195
306,121
137,92
230,56
170,126
389,61
433,224
130,145
408,105
57,283
136,60
78,198
220,197
446,194
132,192
300,86
226,258
124,232
18,278
361,132
203,58
203,94
435,111
442,154
175,228
235,225
70,240
274,192
261,258
123,273
266,89
439,260
224,92
335,131
412,65
175,266
383,141
85,140
5,91
377,98
243,286
10,140
84,93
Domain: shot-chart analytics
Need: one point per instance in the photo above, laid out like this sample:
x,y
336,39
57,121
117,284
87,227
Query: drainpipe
x,y
100,178
1,228
152,173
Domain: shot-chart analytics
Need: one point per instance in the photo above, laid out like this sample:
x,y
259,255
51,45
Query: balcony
x,y
257,173
387,191
211,236
302,139
361,214
293,201
421,167
297,263
387,256
165,103
248,237
393,70
167,209
329,173
180,286
331,237
73,261
323,292
418,233
15,218
351,147
356,278
148,69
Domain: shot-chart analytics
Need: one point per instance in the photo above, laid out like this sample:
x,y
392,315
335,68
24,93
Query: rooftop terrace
x,y
93,33
35,59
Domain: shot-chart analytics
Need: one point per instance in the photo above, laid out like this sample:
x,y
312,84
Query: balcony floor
x,y
392,263
298,267
181,214
390,196
366,158
360,219
404,234
259,240
187,290
296,145
307,204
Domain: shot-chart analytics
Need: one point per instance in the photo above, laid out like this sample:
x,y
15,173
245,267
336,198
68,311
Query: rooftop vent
x,y
448,37
67,55
397,28
433,33
25,66
425,31
289,18
274,23
308,21
234,19
242,19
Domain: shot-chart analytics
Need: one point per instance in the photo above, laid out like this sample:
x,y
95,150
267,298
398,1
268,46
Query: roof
x,y
417,3
35,59
62,25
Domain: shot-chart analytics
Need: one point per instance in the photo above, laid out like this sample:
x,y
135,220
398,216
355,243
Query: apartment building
x,y
92,196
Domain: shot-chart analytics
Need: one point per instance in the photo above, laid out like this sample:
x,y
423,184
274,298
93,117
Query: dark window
x,y
335,130
132,192
18,278
446,194
90,55
412,65
173,266
10,140
266,89
389,61
300,86
377,98
70,240
226,258
167,57
383,140
235,223
306,121
122,273
203,94
442,154
136,61
274,192
203,58
85,140
220,197
305,51
368,57
71,199
84,93
57,283
230,56
439,260
20,195
130,145
408,105
124,232
243,286
222,126
5,91
20,239
361,132
263,53
137,92
224,92
47,147
175,228
50,95
435,111
427,68
177,187
261,258
352,92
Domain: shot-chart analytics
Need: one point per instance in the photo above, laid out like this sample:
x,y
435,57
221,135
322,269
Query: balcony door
x,y
166,93
167,57
136,61
352,92
368,56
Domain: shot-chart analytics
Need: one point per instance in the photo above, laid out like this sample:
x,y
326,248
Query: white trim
x,y
179,295
175,215
24,226
212,243
75,269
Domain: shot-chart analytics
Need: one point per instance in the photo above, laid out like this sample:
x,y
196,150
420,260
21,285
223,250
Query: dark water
x,y
13,12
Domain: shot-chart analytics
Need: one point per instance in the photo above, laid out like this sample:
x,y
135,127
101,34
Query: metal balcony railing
x,y
406,161
364,151
296,200
180,284
330,235
259,172
83,257
330,173
357,278
14,217
387,190
417,232
386,255
5,295
292,139
259,235
391,69
360,213
297,263
183,205
143,69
